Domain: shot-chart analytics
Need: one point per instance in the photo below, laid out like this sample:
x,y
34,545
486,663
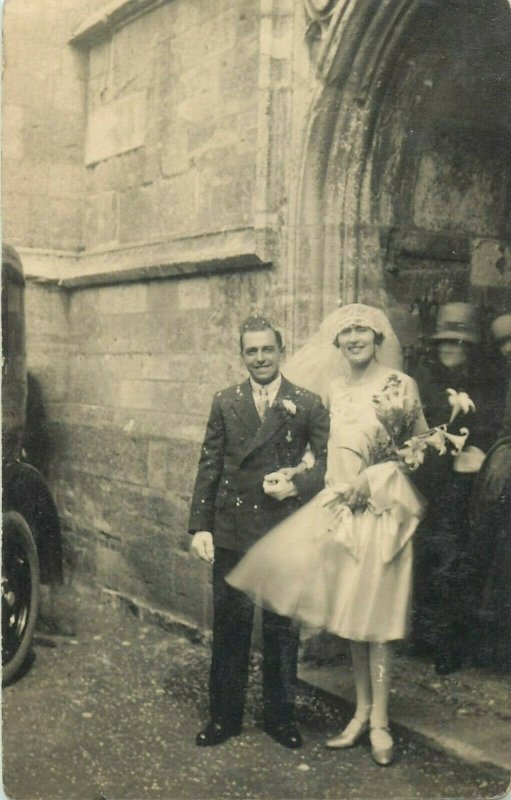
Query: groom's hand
x,y
278,486
202,546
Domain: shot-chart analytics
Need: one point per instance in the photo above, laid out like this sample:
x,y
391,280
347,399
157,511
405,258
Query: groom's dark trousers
x,y
232,629
228,500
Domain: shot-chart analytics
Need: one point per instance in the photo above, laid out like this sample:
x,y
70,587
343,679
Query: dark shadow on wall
x,y
37,443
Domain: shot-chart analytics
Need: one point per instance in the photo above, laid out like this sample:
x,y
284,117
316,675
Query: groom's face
x,y
261,355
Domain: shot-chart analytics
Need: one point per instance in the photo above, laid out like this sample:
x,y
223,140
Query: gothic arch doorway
x,y
405,185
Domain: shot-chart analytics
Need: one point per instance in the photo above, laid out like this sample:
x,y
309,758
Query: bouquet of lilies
x,y
397,420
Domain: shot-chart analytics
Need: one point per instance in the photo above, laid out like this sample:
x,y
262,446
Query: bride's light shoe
x,y
353,731
382,746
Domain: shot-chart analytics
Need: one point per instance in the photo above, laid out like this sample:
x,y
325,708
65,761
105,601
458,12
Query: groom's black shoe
x,y
216,733
285,733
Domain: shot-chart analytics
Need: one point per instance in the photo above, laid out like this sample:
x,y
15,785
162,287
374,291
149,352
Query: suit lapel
x,y
273,421
244,407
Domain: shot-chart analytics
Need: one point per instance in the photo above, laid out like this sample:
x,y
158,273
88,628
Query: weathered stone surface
x,y
115,128
157,465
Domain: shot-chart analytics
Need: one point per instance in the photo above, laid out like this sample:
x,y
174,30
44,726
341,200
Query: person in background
x,y
491,527
443,572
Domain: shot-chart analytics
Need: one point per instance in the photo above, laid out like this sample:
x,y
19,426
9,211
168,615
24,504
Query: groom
x,y
254,430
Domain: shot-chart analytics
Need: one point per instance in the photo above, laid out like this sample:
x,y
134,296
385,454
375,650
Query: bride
x,y
343,562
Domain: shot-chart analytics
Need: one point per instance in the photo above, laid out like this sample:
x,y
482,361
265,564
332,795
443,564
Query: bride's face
x,y
357,344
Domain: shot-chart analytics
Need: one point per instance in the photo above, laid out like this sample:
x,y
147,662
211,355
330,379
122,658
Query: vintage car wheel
x,y
20,592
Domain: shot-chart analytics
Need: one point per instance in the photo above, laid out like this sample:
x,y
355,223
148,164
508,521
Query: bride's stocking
x,y
360,658
380,661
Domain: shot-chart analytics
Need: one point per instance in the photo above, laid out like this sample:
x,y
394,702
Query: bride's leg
x,y
380,662
360,655
360,722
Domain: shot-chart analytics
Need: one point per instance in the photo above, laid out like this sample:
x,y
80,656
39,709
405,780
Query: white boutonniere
x,y
290,407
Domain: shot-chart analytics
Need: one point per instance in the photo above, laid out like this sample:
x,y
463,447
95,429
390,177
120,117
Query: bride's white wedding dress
x,y
347,572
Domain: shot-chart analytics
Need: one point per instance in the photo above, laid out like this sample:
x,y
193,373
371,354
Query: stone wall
x,y
42,126
171,130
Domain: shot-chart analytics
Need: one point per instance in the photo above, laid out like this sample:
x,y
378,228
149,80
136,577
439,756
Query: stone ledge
x,y
156,616
243,261
112,15
204,253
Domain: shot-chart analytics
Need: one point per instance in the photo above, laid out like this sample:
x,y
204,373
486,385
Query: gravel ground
x,y
111,713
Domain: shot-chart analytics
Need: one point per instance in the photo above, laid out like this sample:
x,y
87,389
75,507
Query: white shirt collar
x,y
272,388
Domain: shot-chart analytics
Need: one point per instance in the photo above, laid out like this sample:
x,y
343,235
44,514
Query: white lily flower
x,y
413,452
460,402
458,441
437,440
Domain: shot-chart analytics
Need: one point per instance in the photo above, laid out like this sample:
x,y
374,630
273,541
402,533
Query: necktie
x,y
263,402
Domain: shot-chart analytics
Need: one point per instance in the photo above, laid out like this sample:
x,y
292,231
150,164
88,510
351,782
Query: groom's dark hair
x,y
256,322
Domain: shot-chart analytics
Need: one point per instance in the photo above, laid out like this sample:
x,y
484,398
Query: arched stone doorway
x,y
406,177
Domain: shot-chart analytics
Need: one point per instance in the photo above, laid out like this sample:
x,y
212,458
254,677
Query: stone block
x,y
90,382
189,575
67,93
449,197
182,368
136,394
52,375
55,137
26,176
99,57
150,560
180,339
154,423
491,263
115,572
130,298
177,203
15,217
174,158
63,179
162,296
182,459
166,396
100,219
128,333
138,214
54,223
115,127
197,397
12,133
26,86
101,177
157,465
194,294
80,555
239,76
139,366
113,455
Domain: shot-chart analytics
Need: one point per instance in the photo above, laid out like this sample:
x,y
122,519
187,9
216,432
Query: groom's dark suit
x,y
228,500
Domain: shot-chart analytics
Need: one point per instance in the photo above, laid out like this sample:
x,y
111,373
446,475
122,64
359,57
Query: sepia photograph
x,y
256,399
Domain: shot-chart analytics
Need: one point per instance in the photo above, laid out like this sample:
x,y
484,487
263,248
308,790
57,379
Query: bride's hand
x,y
358,496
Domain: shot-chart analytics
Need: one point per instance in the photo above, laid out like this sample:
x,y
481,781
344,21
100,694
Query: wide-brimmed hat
x,y
459,322
501,327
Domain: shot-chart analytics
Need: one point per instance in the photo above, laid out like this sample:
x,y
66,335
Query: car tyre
x,y
20,593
